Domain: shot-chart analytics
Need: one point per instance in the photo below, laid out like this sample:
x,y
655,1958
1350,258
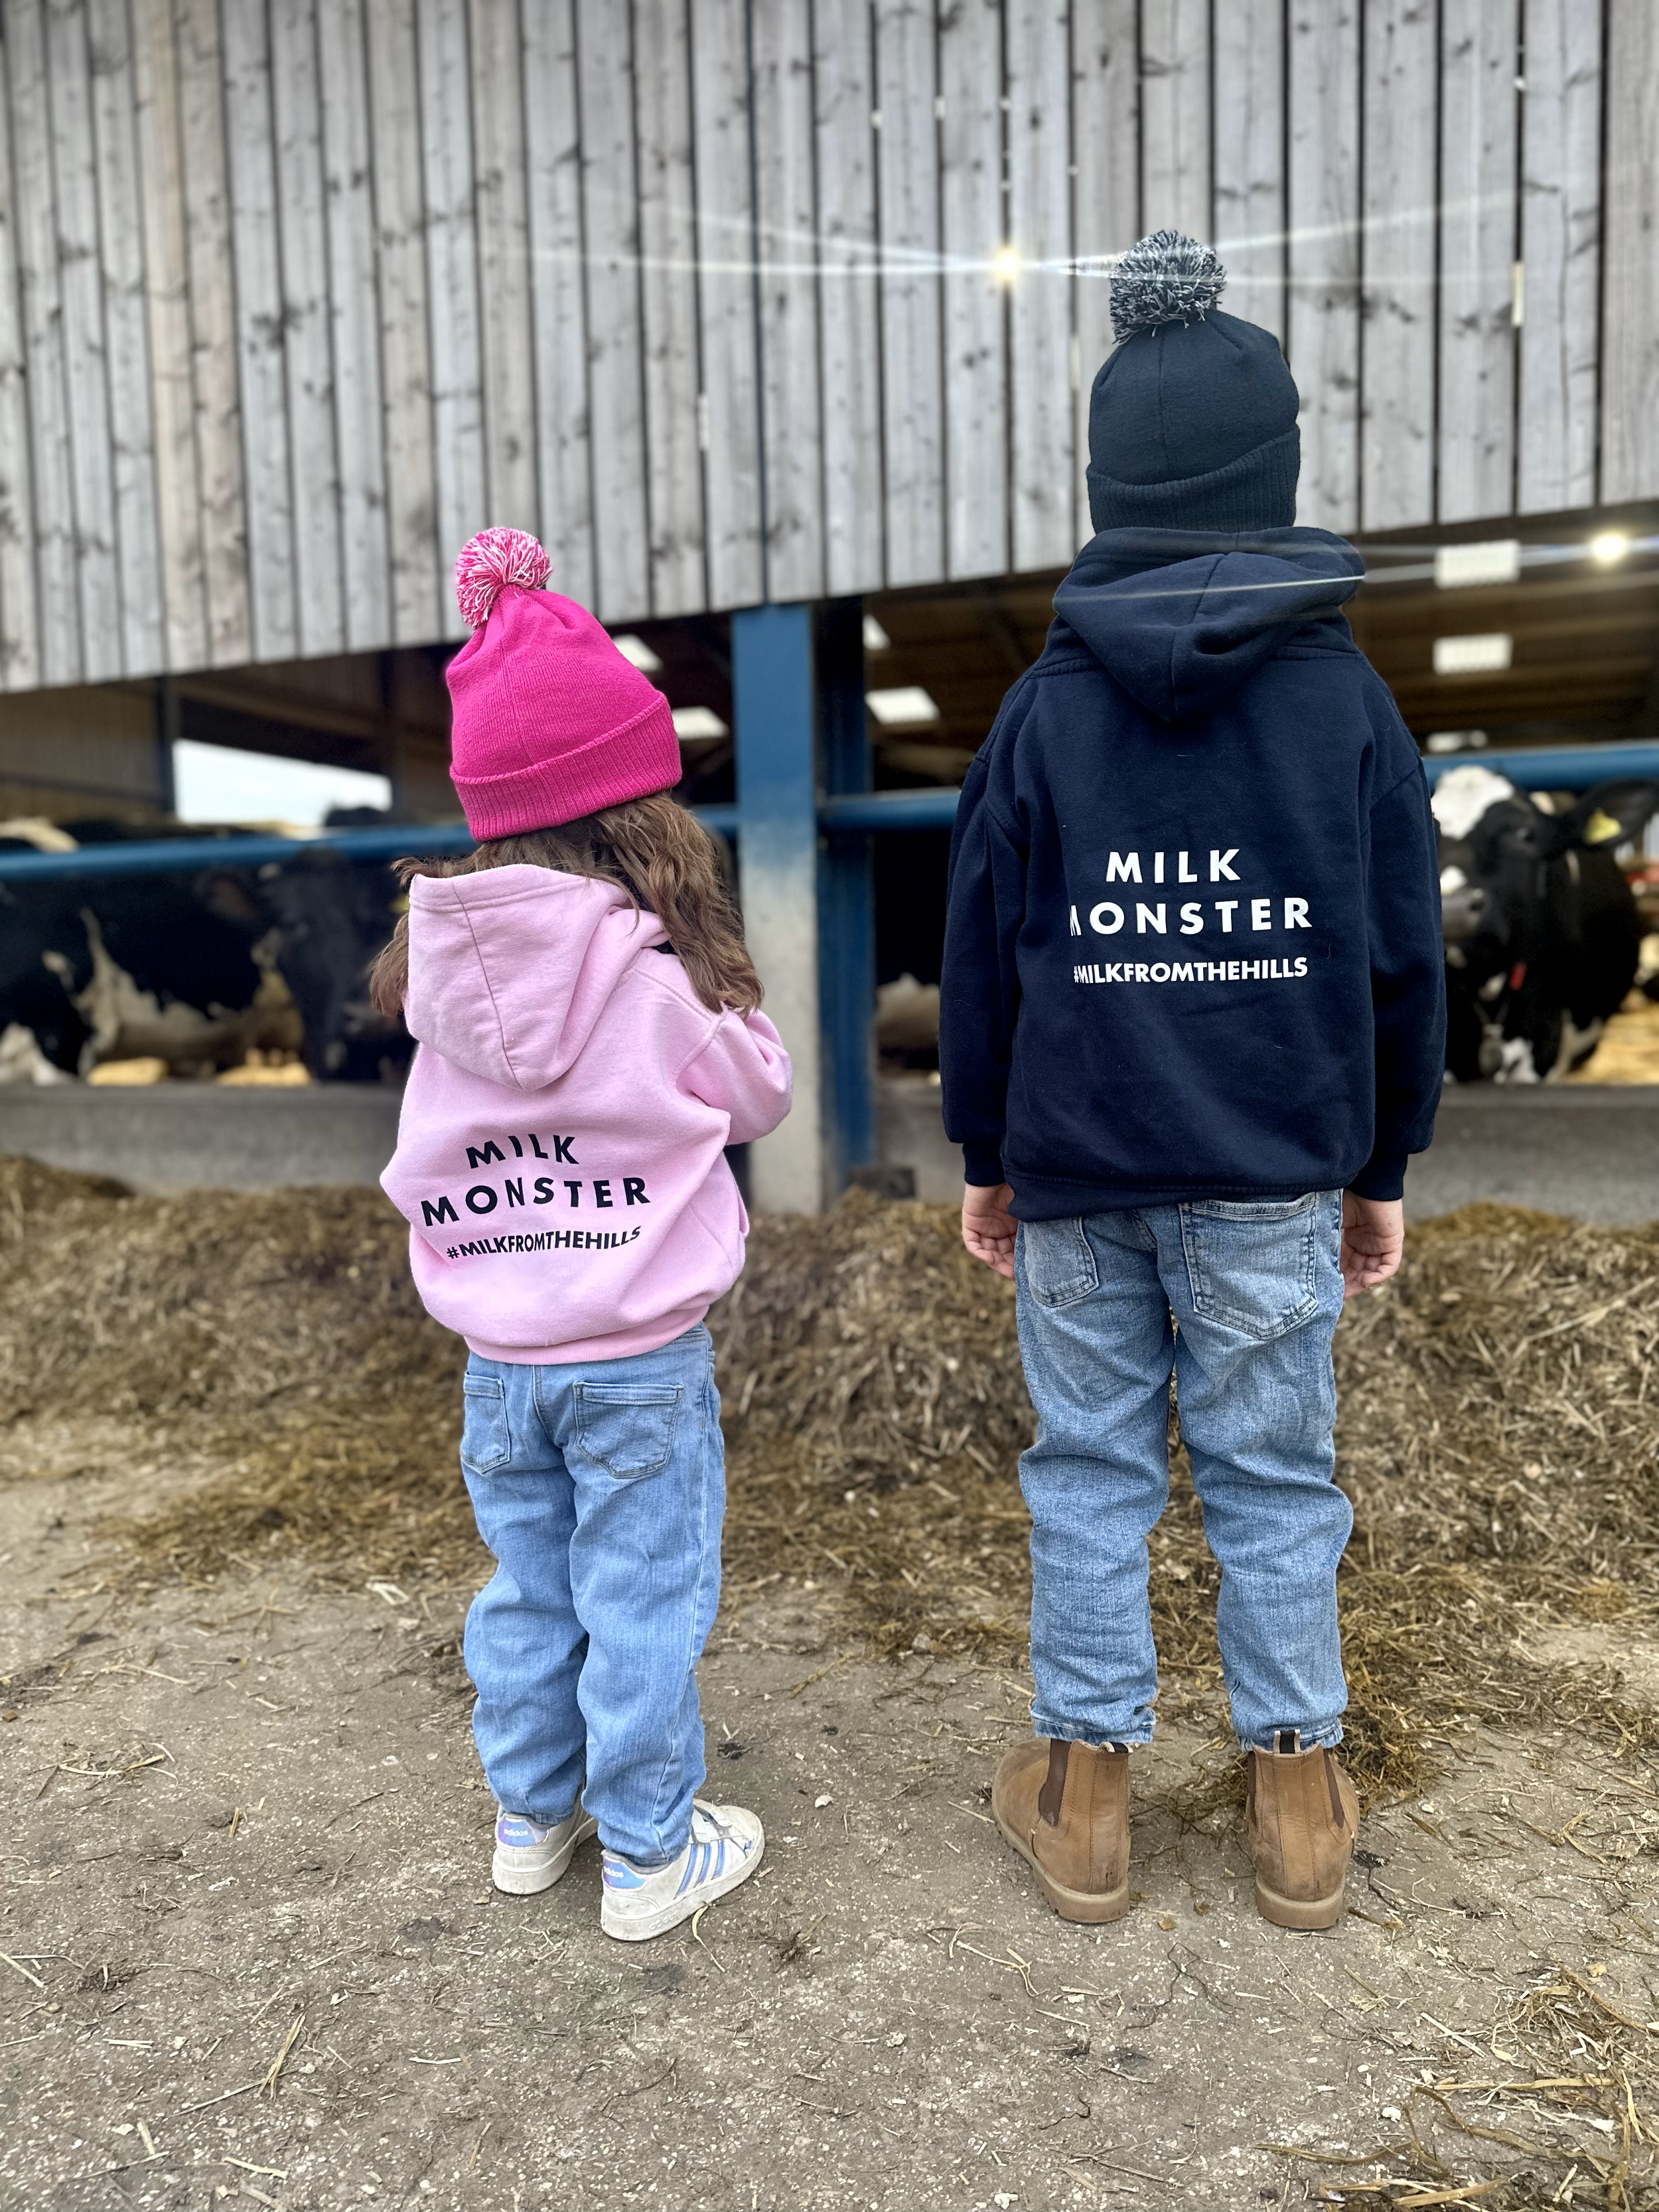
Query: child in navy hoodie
x,y
1192,1025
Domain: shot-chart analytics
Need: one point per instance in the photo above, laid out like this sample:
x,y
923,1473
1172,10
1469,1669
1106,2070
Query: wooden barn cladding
x,y
296,295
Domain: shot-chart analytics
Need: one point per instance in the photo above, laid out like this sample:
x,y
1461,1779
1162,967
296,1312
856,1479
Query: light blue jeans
x,y
600,1489
1239,1301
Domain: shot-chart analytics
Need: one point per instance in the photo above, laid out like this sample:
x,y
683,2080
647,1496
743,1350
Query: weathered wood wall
x,y
296,295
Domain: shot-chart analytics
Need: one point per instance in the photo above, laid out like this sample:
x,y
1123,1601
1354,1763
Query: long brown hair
x,y
654,851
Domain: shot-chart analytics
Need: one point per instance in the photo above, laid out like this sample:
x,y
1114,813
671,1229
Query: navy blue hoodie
x,y
1193,945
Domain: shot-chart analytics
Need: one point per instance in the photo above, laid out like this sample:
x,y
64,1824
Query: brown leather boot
x,y
1301,1818
1065,1807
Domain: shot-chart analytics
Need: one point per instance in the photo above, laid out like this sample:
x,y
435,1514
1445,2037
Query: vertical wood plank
x,y
415,555
86,366
1040,308
912,336
498,143
215,336
43,346
1249,158
730,381
559,305
1479,238
166,307
974,222
302,245
132,434
1106,148
849,333
1323,257
1630,369
786,230
452,270
1175,147
359,416
1397,349
668,301
259,307
1561,255
616,396
20,659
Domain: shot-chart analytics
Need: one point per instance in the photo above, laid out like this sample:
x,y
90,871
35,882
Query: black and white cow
x,y
196,968
1542,932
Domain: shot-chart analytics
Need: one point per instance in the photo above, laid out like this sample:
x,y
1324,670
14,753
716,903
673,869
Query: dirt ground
x,y
252,1953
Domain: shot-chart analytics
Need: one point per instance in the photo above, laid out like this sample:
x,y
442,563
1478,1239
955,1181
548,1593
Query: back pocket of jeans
x,y
628,1428
1250,1262
486,1440
1057,1260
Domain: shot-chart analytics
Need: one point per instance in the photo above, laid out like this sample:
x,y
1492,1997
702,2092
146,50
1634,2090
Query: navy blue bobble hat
x,y
1192,419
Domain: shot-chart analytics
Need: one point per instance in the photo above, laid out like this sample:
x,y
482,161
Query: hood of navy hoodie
x,y
1180,617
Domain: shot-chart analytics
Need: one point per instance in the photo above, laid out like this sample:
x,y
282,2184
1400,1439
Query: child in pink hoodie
x,y
589,1041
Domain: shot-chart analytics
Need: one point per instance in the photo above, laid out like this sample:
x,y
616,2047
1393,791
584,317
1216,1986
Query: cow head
x,y
1540,926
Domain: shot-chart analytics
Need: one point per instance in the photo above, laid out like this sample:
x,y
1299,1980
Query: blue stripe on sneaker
x,y
697,1857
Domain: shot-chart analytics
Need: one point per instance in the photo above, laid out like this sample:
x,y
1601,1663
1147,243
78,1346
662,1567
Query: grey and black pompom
x,y
1165,278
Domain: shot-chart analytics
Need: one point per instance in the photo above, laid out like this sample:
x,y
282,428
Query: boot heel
x,y
1299,1912
1089,1908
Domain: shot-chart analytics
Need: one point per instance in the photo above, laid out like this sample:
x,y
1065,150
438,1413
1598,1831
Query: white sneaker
x,y
529,1859
725,1848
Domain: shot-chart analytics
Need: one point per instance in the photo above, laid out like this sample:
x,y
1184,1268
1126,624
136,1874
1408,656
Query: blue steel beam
x,y
1556,768
1566,768
847,908
774,719
891,810
187,853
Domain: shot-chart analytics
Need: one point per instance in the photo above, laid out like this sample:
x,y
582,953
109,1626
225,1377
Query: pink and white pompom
x,y
493,558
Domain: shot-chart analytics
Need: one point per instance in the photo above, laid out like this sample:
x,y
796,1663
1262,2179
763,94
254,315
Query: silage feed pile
x,y
1499,1430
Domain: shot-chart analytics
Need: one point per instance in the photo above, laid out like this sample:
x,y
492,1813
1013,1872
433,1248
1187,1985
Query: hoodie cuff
x,y
1383,1177
981,1162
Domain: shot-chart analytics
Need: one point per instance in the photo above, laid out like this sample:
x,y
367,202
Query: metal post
x,y
847,952
773,712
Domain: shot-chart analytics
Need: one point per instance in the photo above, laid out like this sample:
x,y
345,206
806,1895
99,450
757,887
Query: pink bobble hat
x,y
551,722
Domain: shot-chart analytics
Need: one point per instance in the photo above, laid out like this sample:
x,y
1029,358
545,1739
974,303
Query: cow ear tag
x,y
1600,827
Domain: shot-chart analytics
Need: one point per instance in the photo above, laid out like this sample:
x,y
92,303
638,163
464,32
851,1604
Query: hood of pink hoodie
x,y
552,949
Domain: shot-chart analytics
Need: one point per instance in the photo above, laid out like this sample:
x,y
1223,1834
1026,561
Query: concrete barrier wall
x,y
195,1136
1591,1150
1587,1150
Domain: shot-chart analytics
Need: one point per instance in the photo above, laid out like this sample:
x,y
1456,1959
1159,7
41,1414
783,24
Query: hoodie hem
x,y
619,1344
1056,1198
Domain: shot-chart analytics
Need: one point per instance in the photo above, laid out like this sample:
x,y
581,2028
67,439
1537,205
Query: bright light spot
x,y
217,783
1473,656
876,639
1490,561
636,650
1609,546
905,704
697,726
1456,741
1005,265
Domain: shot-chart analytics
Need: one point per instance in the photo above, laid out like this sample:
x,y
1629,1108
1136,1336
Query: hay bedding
x,y
1499,1431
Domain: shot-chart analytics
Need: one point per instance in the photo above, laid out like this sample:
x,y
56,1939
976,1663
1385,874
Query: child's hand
x,y
1373,1238
987,1227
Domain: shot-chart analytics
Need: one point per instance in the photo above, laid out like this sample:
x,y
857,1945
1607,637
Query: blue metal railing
x,y
1565,767
878,810
1557,767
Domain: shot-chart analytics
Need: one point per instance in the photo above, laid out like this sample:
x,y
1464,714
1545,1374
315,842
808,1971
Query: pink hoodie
x,y
559,1153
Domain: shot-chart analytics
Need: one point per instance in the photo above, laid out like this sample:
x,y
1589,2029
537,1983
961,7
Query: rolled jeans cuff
x,y
1328,1733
